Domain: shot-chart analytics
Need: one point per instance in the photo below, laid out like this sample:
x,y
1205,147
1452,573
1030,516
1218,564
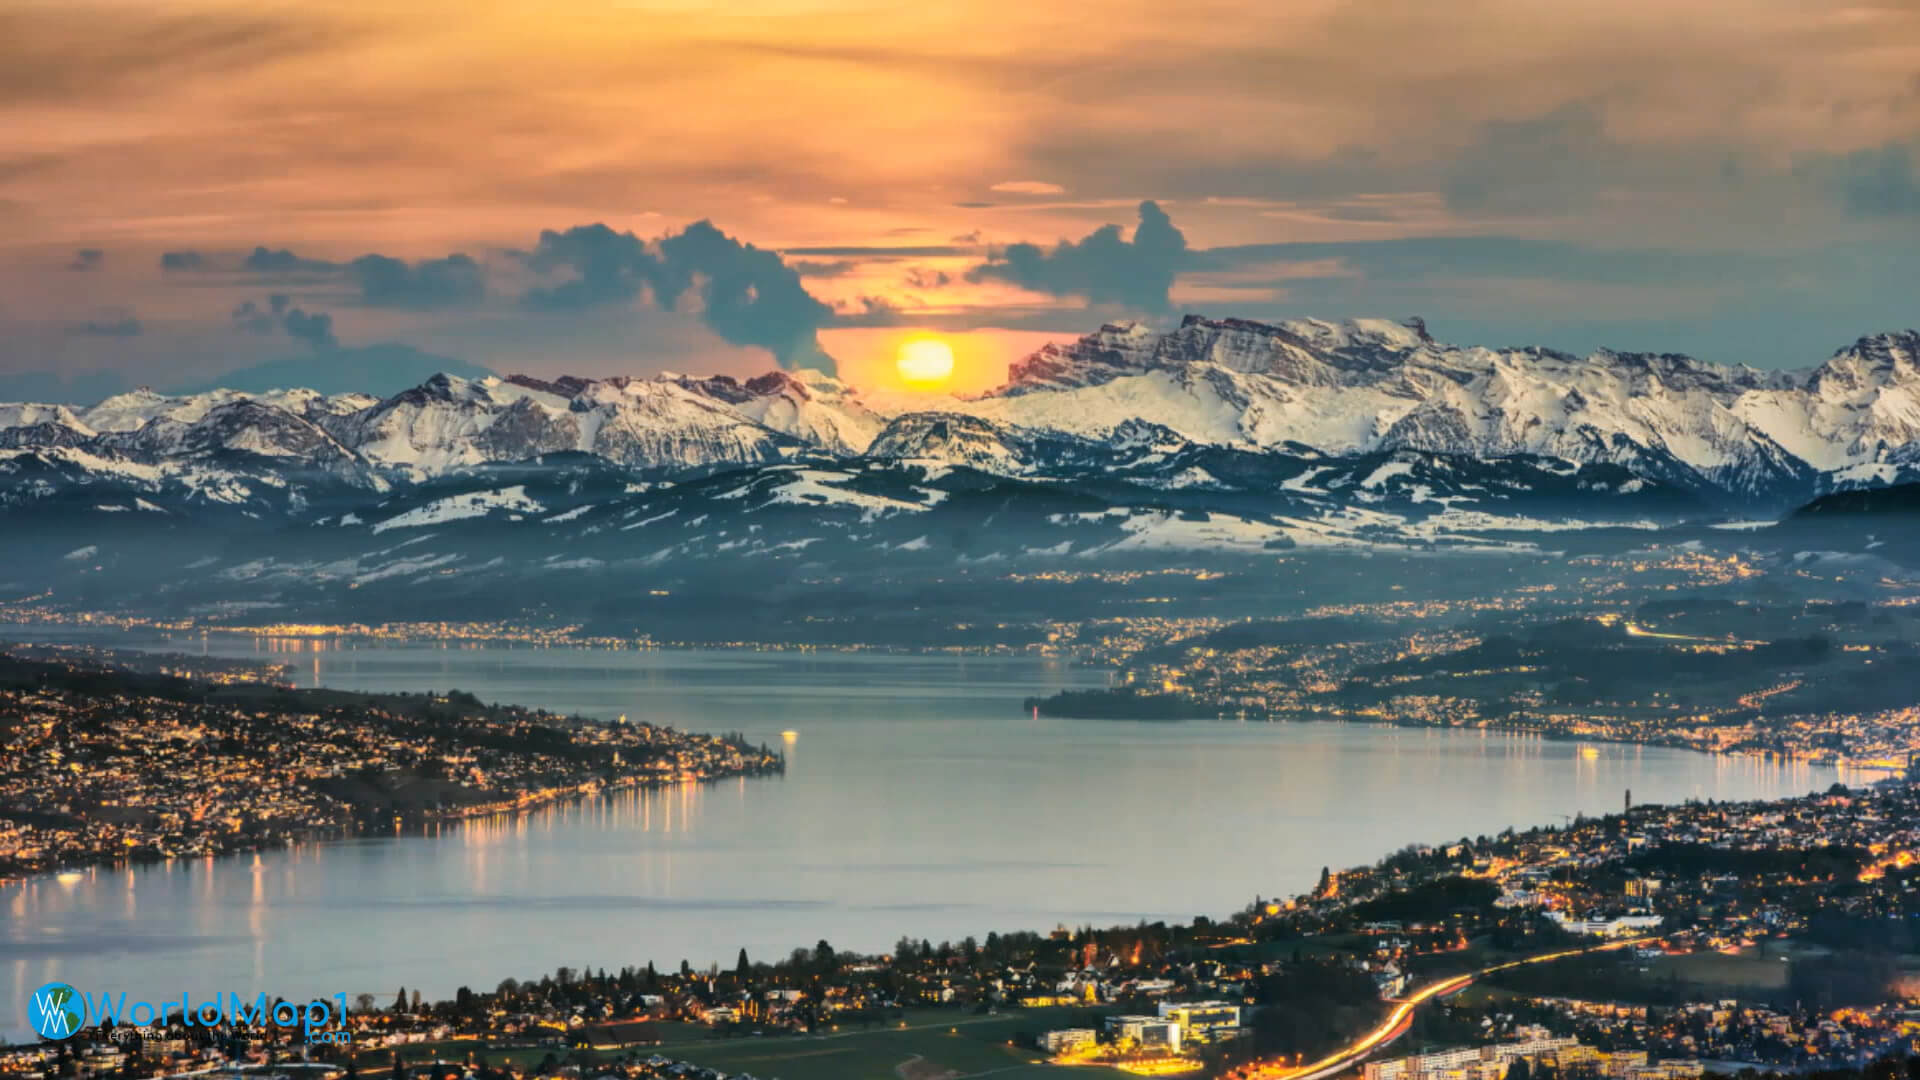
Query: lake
x,y
918,799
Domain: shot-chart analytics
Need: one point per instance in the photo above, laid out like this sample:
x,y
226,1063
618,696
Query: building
x,y
1067,1040
1468,1062
1568,1057
1146,1031
1618,926
1202,1021
1643,888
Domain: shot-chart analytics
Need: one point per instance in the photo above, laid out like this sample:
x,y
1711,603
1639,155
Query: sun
x,y
925,362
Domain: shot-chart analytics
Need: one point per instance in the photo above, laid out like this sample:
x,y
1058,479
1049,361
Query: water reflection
x,y
925,802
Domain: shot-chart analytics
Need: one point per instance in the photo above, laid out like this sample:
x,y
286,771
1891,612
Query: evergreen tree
x,y
742,968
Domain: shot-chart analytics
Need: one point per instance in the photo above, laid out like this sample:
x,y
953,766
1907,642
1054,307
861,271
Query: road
x,y
1399,1019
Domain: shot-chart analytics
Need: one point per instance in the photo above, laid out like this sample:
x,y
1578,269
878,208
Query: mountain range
x,y
1219,434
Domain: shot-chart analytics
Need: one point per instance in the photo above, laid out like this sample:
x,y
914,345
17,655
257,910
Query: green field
x,y
935,1043
1747,971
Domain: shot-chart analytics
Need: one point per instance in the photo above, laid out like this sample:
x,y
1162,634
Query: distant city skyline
x,y
200,189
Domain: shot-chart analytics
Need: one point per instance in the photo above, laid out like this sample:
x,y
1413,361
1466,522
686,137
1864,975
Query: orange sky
x,y
905,145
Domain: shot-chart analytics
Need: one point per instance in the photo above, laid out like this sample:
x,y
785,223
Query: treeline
x,y
1605,658
1123,704
1815,864
1429,900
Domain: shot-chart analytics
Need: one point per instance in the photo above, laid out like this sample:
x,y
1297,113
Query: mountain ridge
x,y
1226,405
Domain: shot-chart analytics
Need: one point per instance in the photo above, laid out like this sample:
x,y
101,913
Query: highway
x,y
1399,1019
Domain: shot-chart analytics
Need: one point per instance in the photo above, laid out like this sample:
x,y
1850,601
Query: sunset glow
x,y
512,186
925,363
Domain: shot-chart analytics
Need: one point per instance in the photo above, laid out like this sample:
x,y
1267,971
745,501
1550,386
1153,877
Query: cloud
x,y
87,259
1102,268
609,267
879,251
430,283
830,268
266,261
63,52
751,296
748,295
1468,258
1028,187
1878,182
870,311
116,324
1536,164
923,277
255,319
313,328
183,260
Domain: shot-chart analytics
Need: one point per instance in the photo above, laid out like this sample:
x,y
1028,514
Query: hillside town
x,y
1668,655
1772,935
101,763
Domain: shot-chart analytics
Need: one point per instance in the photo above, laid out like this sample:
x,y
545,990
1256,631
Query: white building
x,y
1148,1031
1618,926
1067,1040
1202,1021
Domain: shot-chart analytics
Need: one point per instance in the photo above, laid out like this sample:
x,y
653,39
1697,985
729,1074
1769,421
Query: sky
x,y
631,186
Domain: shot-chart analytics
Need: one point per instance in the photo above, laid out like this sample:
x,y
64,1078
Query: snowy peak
x,y
1368,385
1877,362
954,439
1125,399
242,426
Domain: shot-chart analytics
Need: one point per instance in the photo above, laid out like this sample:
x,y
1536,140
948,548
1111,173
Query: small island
x,y
108,760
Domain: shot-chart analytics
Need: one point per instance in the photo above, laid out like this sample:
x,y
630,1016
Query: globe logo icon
x,y
56,1011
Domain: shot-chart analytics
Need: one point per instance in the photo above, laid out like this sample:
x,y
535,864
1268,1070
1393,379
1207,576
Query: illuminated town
x,y
1644,945
105,763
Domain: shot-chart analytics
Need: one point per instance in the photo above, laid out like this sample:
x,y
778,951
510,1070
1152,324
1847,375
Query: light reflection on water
x,y
919,799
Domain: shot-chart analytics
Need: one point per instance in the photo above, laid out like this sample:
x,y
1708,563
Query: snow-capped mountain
x,y
1771,437
1253,416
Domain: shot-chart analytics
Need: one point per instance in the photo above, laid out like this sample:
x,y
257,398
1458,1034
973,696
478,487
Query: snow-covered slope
x,y
1214,404
1370,385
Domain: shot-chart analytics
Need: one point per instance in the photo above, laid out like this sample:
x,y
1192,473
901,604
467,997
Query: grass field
x,y
1745,971
930,1046
935,1043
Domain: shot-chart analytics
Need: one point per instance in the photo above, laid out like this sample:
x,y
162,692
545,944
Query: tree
x,y
400,1001
741,967
1519,1070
